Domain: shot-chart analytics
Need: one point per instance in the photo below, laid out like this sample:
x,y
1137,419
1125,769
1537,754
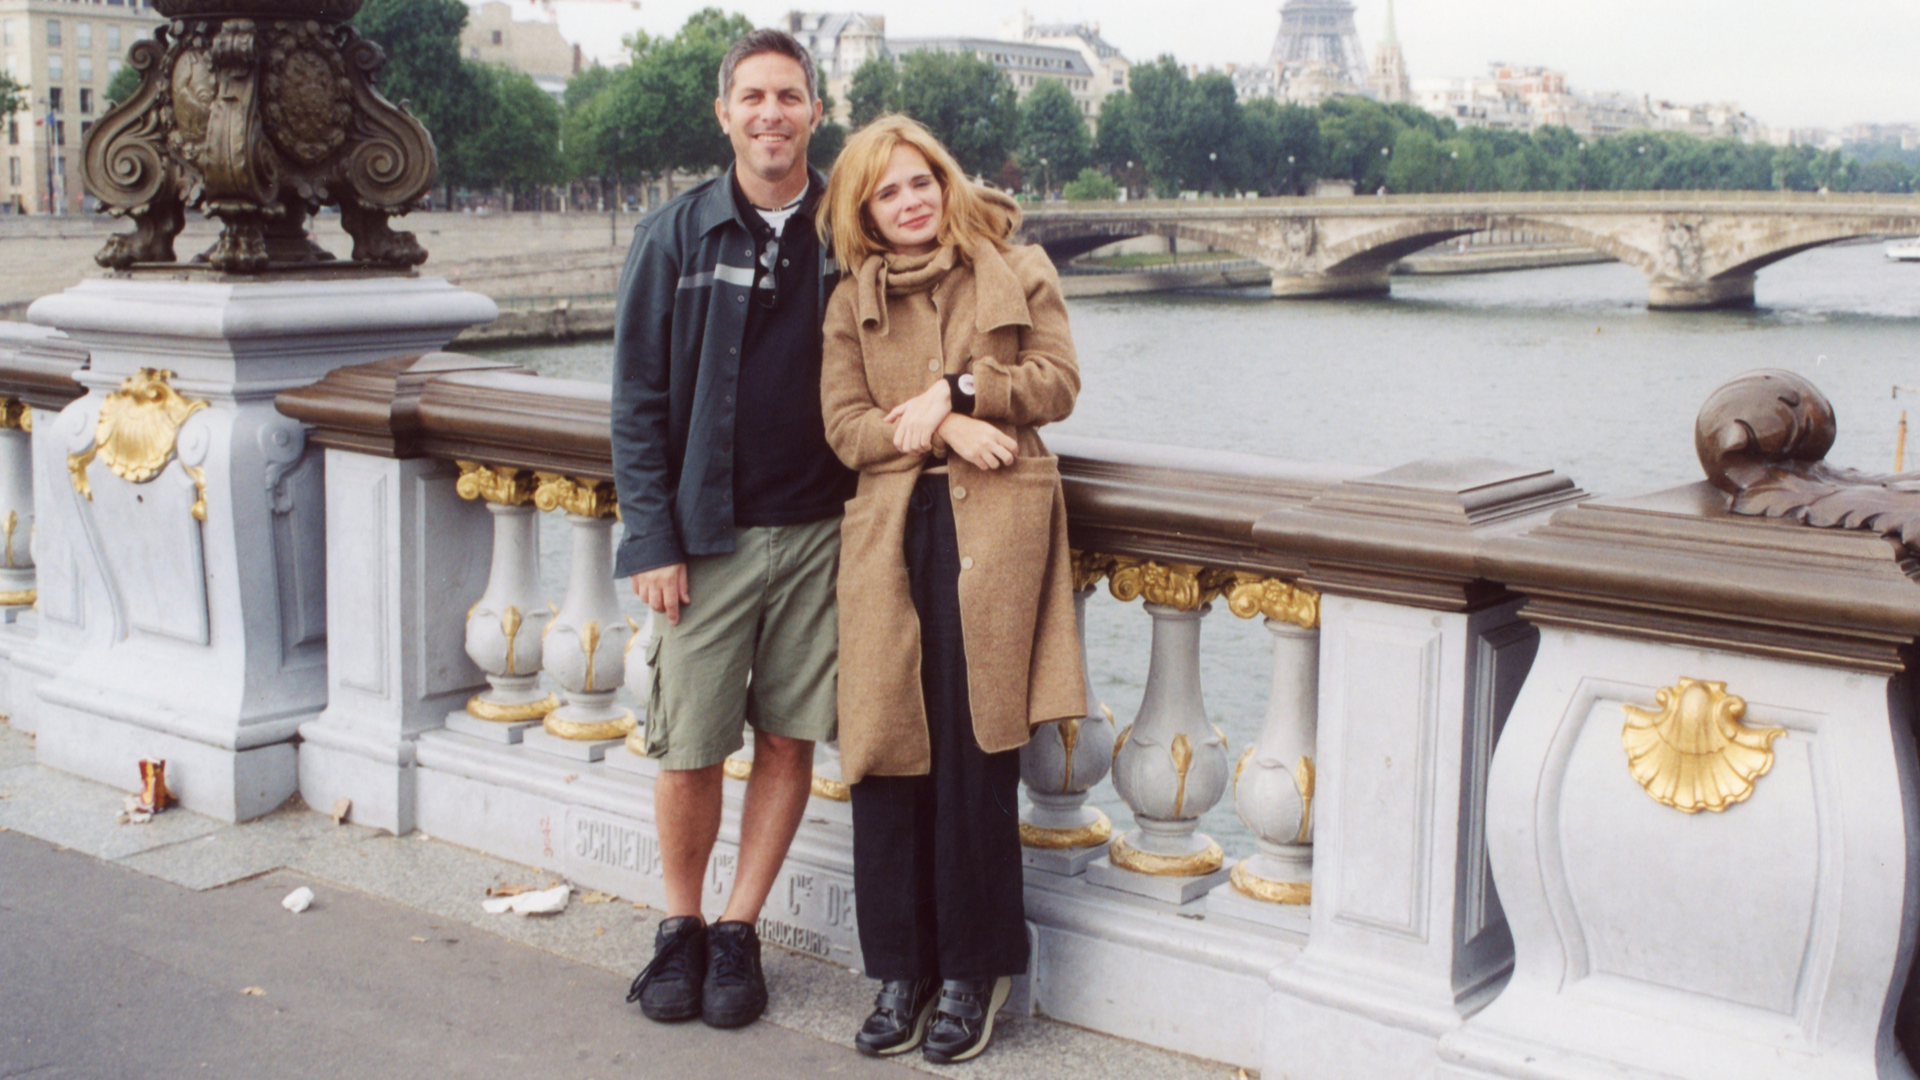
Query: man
x,y
732,502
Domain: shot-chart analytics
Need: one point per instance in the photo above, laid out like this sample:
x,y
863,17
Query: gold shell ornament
x,y
1693,753
139,422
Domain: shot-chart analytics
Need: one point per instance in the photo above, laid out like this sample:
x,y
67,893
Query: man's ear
x,y
720,114
819,111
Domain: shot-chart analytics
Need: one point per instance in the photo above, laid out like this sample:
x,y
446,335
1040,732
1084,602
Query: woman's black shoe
x,y
963,1018
898,1022
669,988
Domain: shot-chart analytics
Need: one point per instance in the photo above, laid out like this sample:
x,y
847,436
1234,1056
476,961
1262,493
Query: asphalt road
x,y
107,973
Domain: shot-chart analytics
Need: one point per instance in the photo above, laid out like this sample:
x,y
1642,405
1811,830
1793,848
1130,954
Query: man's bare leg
x,y
686,811
776,800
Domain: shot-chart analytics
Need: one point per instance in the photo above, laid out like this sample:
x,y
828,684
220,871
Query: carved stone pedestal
x,y
193,520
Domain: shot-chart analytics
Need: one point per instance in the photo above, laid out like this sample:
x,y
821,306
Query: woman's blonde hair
x,y
966,218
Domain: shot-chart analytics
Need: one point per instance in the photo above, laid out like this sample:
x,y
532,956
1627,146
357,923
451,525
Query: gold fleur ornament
x,y
1693,753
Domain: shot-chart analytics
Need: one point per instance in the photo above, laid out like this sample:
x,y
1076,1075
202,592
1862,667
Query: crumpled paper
x,y
298,900
544,902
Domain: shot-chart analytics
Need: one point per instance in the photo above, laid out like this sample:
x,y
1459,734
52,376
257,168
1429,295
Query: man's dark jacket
x,y
676,366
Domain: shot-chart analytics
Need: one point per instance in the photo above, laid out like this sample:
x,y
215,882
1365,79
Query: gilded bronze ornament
x,y
495,483
1092,834
139,423
589,730
1128,857
1088,568
1692,753
15,413
1182,586
587,498
833,790
1247,883
482,709
1281,601
135,435
258,113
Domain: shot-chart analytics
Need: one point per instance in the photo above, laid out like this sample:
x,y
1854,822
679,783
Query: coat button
x,y
933,365
966,562
959,492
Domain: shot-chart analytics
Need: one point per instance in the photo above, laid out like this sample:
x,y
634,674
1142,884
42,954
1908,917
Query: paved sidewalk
x,y
129,951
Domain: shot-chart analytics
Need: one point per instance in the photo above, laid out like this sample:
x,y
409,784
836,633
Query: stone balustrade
x,y
1545,787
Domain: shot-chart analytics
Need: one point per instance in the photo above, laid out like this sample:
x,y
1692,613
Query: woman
x,y
945,348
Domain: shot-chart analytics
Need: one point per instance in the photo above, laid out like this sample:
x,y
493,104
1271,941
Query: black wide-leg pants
x,y
936,858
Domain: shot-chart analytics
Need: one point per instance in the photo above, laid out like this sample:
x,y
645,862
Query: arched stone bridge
x,y
1698,249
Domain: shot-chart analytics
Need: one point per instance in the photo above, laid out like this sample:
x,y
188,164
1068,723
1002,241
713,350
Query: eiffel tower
x,y
1317,52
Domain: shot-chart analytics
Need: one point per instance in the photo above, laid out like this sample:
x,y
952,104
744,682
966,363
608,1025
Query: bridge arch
x,y
1064,242
1754,257
1376,250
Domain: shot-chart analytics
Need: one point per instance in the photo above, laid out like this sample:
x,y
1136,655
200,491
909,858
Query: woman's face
x,y
906,206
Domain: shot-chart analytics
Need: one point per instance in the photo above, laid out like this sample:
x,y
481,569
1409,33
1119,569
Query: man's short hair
x,y
756,42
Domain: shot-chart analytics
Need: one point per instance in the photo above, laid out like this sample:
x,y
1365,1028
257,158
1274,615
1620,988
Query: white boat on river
x,y
1907,250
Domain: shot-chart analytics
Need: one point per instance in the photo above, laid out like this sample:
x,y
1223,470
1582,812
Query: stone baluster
x,y
1273,780
584,645
1171,764
1063,761
16,506
505,627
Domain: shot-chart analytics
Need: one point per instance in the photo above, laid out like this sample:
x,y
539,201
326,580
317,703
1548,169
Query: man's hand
x,y
980,443
664,589
916,419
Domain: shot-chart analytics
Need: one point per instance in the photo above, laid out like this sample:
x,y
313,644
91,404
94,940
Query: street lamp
x,y
53,202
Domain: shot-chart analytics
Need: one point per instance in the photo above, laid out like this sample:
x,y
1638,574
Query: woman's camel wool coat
x,y
1002,319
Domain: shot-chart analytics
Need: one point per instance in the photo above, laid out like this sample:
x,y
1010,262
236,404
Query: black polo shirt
x,y
783,471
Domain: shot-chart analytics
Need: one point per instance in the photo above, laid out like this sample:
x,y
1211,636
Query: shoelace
x,y
670,960
731,964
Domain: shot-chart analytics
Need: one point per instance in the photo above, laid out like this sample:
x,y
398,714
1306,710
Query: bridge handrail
x,y
1903,203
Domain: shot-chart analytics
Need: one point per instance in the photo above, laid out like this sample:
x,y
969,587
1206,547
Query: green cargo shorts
x,y
758,643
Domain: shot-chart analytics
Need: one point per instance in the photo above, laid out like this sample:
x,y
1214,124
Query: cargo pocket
x,y
656,715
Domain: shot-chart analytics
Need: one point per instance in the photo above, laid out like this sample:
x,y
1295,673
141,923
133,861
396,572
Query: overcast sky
x,y
1783,61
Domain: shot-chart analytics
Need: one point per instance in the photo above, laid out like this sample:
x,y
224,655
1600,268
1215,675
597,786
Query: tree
x,y
13,95
828,139
1355,132
1114,145
1091,185
519,148
1212,136
1053,133
425,73
1160,91
1283,146
126,83
873,92
966,102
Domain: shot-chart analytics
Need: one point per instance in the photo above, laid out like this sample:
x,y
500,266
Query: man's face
x,y
769,116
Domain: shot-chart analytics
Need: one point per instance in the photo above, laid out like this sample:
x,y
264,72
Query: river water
x,y
1563,368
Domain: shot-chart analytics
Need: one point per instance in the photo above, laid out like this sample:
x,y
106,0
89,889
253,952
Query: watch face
x,y
966,384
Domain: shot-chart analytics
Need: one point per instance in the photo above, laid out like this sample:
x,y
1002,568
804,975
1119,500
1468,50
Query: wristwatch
x,y
962,393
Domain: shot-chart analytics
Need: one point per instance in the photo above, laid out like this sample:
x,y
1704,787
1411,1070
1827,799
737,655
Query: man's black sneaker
x,y
668,989
963,1018
736,991
898,1022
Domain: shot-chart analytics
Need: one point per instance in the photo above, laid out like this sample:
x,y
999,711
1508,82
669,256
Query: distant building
x,y
1390,83
1516,97
597,29
66,54
1317,53
533,46
1112,71
1024,62
840,42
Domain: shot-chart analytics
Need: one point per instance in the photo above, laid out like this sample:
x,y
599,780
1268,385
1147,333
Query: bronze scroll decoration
x,y
258,113
1762,438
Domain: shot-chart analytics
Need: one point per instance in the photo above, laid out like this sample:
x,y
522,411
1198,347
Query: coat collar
x,y
717,205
